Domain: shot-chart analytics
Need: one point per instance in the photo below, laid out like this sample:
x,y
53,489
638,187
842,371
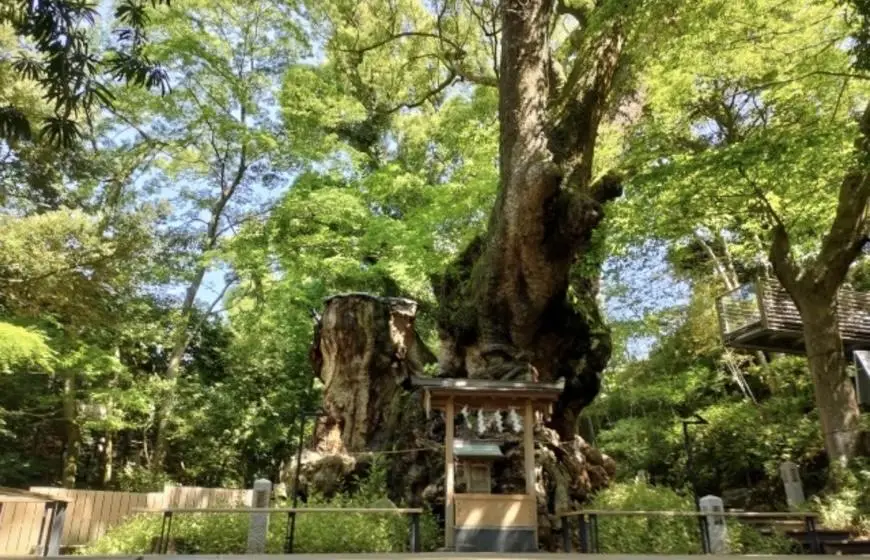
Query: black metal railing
x,y
414,543
589,534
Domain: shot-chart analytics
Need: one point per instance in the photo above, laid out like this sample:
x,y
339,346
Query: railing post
x,y
584,534
167,517
415,532
47,513
288,541
815,545
159,548
594,523
705,543
566,534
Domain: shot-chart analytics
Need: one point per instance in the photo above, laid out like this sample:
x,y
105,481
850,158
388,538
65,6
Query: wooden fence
x,y
90,513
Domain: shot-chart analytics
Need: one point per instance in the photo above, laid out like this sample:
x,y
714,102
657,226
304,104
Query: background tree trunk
x,y
834,390
73,434
813,286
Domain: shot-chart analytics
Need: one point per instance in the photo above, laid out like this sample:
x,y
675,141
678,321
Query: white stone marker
x,y
791,480
258,529
717,530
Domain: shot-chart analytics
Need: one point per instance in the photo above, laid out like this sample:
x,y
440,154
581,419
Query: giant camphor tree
x,y
520,300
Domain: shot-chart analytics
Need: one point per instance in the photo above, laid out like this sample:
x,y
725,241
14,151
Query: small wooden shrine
x,y
477,519
762,316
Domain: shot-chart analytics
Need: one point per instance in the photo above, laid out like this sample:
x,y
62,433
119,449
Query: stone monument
x,y
258,530
791,480
717,530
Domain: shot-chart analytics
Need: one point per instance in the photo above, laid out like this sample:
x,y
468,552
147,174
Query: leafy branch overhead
x,y
61,56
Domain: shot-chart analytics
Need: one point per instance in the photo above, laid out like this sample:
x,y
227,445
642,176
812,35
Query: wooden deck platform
x,y
762,316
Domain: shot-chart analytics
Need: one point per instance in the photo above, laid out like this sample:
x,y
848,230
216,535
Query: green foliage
x,y
315,533
746,539
641,535
846,503
64,62
737,454
24,347
627,535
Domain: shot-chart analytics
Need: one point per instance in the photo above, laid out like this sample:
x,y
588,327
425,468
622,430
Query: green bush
x,y
845,503
746,539
642,535
315,532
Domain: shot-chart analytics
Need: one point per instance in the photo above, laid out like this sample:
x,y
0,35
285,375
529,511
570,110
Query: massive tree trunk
x,y
505,306
365,348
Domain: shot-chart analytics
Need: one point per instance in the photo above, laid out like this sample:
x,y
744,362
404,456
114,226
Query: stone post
x,y
258,529
791,480
717,530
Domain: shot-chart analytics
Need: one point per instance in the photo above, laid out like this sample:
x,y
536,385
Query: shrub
x,y
315,532
746,539
641,535
846,502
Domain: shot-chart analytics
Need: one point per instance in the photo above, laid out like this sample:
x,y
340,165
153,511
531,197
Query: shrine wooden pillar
x,y
529,447
449,476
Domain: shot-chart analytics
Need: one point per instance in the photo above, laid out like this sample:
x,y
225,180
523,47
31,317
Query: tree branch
x,y
403,35
762,197
849,230
426,97
787,271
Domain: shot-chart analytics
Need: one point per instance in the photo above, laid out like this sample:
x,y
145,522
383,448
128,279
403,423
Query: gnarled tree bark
x,y
505,306
364,349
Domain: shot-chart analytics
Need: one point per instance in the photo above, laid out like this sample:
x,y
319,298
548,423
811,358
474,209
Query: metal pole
x,y
594,523
162,531
584,534
45,527
690,468
415,532
168,532
815,545
292,533
566,534
705,535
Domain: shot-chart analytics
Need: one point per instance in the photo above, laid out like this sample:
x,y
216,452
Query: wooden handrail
x,y
732,514
406,511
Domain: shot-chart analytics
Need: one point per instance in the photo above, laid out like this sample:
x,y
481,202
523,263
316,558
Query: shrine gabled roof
x,y
464,449
460,386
